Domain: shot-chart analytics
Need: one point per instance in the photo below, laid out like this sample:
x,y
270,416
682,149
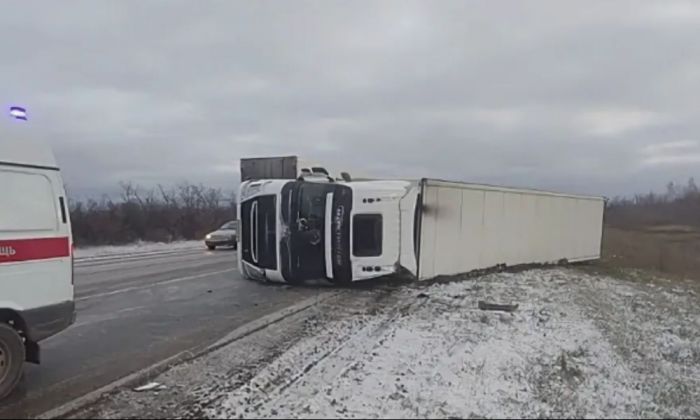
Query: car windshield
x,y
229,225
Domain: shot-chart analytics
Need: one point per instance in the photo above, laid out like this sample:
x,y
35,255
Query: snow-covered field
x,y
579,345
135,248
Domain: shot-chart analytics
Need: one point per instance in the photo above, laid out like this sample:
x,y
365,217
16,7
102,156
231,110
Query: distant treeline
x,y
679,205
160,214
188,211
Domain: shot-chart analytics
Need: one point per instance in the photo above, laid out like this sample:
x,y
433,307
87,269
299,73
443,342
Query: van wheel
x,y
11,359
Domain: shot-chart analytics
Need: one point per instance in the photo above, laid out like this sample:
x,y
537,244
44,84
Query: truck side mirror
x,y
346,176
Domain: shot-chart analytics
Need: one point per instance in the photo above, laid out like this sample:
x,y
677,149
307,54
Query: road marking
x,y
134,255
105,319
148,286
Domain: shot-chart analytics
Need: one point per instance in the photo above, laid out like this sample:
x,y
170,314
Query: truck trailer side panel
x,y
465,227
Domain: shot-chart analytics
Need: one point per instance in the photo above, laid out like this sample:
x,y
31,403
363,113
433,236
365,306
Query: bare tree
x,y
678,205
185,211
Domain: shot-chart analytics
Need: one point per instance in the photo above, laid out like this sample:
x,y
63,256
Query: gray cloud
x,y
595,97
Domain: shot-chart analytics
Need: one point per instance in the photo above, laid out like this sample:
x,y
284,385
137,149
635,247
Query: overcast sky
x,y
594,97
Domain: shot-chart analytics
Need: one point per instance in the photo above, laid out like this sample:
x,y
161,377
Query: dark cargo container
x,y
279,167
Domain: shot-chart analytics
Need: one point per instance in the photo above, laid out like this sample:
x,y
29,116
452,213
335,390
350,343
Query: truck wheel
x,y
11,359
211,247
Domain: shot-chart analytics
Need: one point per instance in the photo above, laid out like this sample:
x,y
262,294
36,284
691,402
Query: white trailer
x,y
465,227
294,230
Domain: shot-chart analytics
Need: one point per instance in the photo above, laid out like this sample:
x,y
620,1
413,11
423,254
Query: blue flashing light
x,y
18,113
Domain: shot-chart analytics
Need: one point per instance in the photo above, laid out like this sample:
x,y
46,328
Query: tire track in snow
x,y
347,348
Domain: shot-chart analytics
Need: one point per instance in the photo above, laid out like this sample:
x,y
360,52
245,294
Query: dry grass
x,y
670,249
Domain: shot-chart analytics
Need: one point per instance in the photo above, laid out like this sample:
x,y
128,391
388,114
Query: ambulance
x,y
36,258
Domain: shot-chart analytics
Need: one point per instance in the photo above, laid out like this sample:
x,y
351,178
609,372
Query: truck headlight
x,y
208,236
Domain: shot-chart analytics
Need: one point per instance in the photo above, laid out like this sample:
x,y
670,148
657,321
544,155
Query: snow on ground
x,y
135,248
579,345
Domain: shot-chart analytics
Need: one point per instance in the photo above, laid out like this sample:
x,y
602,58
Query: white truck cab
x,y
36,270
311,228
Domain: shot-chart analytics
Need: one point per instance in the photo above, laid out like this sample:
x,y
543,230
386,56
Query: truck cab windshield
x,y
311,214
304,213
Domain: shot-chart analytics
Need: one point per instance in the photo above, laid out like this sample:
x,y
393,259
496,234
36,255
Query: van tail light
x,y
72,264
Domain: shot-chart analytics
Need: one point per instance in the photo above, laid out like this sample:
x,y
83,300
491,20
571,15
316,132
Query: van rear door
x,y
35,247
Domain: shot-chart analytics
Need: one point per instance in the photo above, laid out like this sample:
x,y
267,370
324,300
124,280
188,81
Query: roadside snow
x,y
578,346
135,248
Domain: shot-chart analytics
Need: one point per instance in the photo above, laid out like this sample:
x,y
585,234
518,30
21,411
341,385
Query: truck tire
x,y
12,356
211,247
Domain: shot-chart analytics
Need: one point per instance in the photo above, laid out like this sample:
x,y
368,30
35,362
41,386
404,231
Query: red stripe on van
x,y
15,250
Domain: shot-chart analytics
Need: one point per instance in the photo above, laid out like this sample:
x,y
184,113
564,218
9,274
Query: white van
x,y
36,261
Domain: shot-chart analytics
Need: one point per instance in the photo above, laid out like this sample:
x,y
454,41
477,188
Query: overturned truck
x,y
316,227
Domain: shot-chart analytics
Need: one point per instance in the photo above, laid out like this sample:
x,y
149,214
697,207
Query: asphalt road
x,y
134,311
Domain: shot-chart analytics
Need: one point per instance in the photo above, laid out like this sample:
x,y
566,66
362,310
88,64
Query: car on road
x,y
224,236
36,258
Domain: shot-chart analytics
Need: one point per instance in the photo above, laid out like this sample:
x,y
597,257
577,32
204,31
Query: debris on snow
x,y
151,386
485,306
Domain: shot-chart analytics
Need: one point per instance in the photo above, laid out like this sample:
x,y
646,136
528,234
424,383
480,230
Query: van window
x,y
367,235
27,202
